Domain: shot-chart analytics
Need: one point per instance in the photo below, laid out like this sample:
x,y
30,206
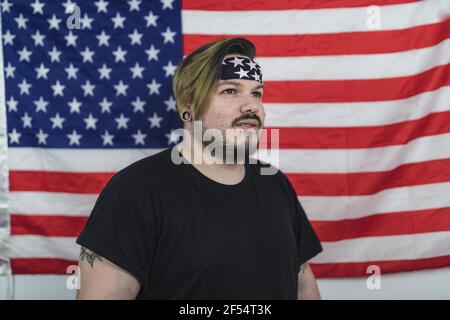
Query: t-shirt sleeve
x,y
118,230
308,244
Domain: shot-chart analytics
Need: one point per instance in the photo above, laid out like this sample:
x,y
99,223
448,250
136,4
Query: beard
x,y
236,148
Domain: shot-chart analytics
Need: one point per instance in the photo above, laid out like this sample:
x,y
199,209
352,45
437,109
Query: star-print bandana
x,y
240,68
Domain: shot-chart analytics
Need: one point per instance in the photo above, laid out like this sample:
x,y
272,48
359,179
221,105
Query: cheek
x,y
217,121
263,114
219,115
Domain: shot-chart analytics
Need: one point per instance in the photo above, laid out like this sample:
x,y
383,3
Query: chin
x,y
241,151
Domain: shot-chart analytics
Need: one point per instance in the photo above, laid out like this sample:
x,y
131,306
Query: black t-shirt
x,y
186,236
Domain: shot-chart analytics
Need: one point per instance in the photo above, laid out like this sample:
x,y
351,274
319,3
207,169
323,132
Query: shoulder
x,y
143,172
271,174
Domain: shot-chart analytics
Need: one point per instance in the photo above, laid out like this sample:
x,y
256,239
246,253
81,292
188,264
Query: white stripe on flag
x,y
399,199
385,248
411,198
315,21
361,66
425,148
27,246
356,114
75,160
52,203
400,247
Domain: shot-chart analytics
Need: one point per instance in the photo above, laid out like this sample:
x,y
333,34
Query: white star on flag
x,y
118,21
21,22
139,138
101,6
168,35
107,138
155,120
26,119
151,19
24,87
138,105
134,5
74,105
74,138
41,104
71,71
152,53
121,88
122,122
119,54
54,55
37,7
90,122
104,72
42,137
54,22
135,37
88,88
14,136
105,106
103,39
153,87
42,71
137,71
57,121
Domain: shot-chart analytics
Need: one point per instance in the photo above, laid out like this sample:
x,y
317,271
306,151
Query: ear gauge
x,y
186,116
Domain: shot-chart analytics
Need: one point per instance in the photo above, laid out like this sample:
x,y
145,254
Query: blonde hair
x,y
197,74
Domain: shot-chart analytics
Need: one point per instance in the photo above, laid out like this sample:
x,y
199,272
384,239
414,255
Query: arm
x,y
101,279
307,285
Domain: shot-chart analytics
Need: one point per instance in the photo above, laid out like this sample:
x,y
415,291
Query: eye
x,y
257,94
229,91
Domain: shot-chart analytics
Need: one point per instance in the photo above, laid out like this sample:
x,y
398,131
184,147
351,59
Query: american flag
x,y
359,90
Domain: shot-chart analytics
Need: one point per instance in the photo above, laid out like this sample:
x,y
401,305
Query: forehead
x,y
240,83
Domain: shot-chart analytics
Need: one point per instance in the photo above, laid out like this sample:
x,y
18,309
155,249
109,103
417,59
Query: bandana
x,y
240,68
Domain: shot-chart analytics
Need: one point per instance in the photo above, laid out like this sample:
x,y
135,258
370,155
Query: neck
x,y
225,173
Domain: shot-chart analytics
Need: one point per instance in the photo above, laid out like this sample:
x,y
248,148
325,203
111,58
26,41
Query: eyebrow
x,y
237,84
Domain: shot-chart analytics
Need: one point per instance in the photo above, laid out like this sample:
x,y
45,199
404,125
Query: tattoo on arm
x,y
303,267
89,255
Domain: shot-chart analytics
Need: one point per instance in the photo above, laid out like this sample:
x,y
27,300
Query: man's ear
x,y
190,108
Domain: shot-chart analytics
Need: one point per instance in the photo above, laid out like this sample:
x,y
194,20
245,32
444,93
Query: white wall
x,y
429,284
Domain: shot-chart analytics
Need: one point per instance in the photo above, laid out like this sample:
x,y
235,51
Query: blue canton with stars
x,y
101,81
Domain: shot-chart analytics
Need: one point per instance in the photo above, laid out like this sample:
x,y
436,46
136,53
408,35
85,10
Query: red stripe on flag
x,y
359,269
386,41
359,137
41,265
52,226
328,270
356,90
79,182
244,5
386,224
317,184
368,183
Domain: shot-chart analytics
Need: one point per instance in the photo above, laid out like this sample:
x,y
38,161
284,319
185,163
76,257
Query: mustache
x,y
248,116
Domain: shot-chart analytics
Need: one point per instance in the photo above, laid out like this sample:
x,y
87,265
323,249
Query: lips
x,y
248,123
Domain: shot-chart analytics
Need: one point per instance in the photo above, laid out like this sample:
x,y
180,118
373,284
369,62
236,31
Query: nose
x,y
249,106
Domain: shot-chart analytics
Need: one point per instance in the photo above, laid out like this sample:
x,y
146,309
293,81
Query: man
x,y
210,229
